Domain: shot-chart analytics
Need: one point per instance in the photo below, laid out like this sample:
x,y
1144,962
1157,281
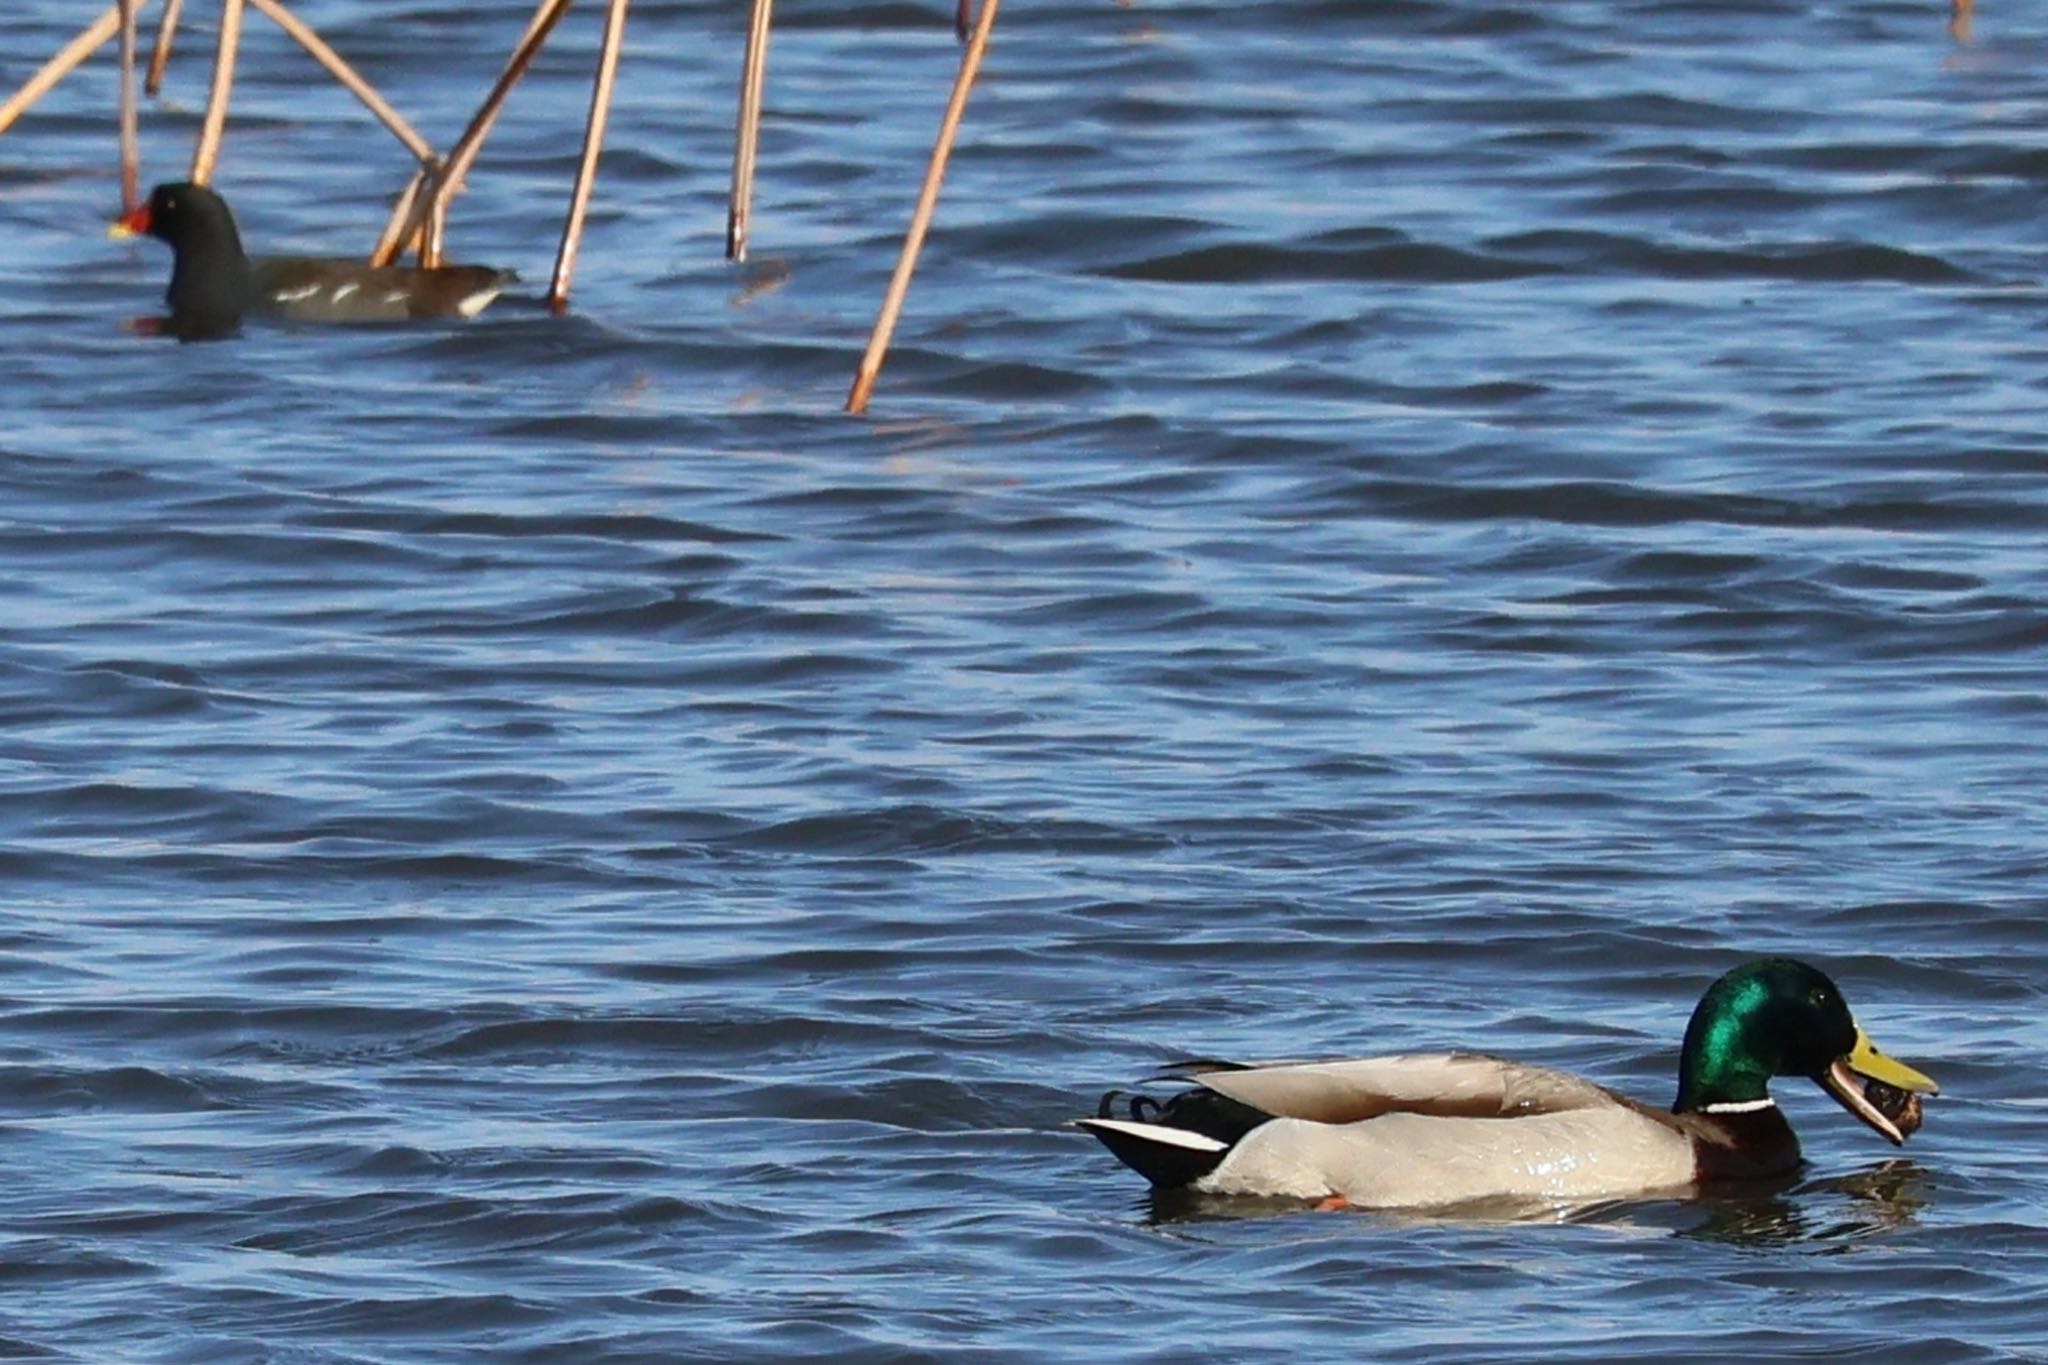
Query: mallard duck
x,y
1446,1128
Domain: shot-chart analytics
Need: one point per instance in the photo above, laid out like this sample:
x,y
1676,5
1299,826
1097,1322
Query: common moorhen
x,y
214,284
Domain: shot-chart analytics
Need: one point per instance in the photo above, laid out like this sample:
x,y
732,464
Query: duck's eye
x,y
1818,997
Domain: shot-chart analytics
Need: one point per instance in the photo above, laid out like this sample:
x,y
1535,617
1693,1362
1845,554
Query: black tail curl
x,y
1162,1161
1140,1109
1195,1111
1168,1164
1208,1113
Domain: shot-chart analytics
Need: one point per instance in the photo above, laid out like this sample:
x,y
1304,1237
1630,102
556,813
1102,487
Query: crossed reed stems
x,y
418,221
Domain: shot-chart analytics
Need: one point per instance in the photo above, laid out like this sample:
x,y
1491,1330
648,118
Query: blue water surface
x,y
1385,526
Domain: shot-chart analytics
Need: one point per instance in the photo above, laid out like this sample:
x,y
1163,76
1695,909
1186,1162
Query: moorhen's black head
x,y
211,281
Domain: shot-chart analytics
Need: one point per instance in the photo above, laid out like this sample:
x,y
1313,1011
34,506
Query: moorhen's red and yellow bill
x,y
215,284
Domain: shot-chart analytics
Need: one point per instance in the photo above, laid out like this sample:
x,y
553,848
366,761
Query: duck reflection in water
x,y
1780,1211
1884,1197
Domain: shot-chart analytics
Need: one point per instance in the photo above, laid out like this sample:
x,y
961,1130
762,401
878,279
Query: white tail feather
x,y
469,305
1157,1132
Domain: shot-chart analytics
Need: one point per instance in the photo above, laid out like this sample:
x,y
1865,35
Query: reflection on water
x,y
1774,1212
1878,1199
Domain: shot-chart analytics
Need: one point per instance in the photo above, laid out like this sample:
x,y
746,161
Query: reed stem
x,y
753,80
921,220
124,113
160,50
593,148
416,209
338,67
89,40
214,126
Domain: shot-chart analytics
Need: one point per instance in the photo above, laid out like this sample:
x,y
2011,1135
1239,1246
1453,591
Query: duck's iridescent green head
x,y
1778,1017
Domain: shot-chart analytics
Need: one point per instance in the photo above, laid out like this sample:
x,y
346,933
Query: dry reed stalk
x,y
353,80
753,81
401,212
434,238
124,113
160,50
921,220
88,41
593,148
442,181
214,126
